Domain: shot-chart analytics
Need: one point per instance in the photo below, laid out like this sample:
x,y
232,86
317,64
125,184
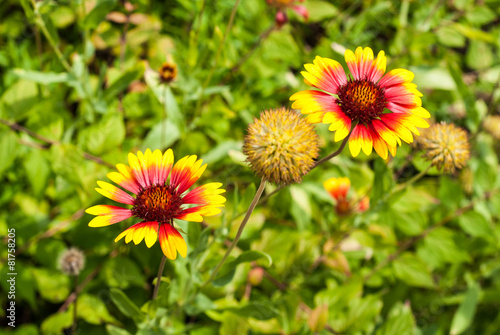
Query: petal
x,y
107,215
205,194
144,162
361,63
378,67
195,214
379,144
114,193
186,172
396,77
136,169
385,132
325,74
360,139
171,241
166,166
395,122
339,122
314,103
154,167
139,231
131,184
338,187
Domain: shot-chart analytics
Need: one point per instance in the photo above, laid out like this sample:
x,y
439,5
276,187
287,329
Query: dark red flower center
x,y
158,203
361,100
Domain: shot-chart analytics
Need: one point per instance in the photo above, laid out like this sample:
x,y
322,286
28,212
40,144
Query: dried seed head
x,y
281,146
72,261
446,146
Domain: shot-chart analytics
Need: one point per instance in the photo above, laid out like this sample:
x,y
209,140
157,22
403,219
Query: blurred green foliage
x,y
79,89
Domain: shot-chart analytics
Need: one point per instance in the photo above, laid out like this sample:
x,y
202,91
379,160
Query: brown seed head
x,y
281,146
72,261
446,146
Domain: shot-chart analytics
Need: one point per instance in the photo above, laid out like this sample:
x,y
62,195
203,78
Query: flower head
x,y
168,72
338,189
446,146
281,146
72,261
380,109
283,5
158,200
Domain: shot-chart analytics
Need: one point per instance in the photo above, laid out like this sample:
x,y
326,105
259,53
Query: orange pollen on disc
x,y
158,203
361,100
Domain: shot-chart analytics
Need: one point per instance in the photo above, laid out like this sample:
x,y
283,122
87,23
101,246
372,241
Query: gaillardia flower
x,y
281,146
338,189
158,200
380,109
446,146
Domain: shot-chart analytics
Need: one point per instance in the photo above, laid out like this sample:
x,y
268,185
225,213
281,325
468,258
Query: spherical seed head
x,y
446,146
72,261
281,146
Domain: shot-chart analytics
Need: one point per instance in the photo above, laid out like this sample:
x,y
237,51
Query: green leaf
x,y
103,136
480,15
439,248
450,37
301,209
52,285
48,252
98,13
56,323
400,321
113,330
464,315
220,151
19,99
479,55
124,304
163,134
255,310
121,272
319,10
8,149
475,224
226,273
37,169
44,78
412,270
93,310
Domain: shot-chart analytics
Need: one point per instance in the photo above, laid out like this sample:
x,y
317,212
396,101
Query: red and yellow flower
x,y
380,109
338,189
158,199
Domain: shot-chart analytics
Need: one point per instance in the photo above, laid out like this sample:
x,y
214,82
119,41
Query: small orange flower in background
x,y
338,189
380,109
283,5
158,200
168,72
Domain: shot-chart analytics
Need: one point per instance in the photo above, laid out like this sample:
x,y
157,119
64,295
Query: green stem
x,y
158,278
73,327
255,200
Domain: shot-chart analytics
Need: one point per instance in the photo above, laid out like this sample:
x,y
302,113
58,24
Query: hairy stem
x,y
255,200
